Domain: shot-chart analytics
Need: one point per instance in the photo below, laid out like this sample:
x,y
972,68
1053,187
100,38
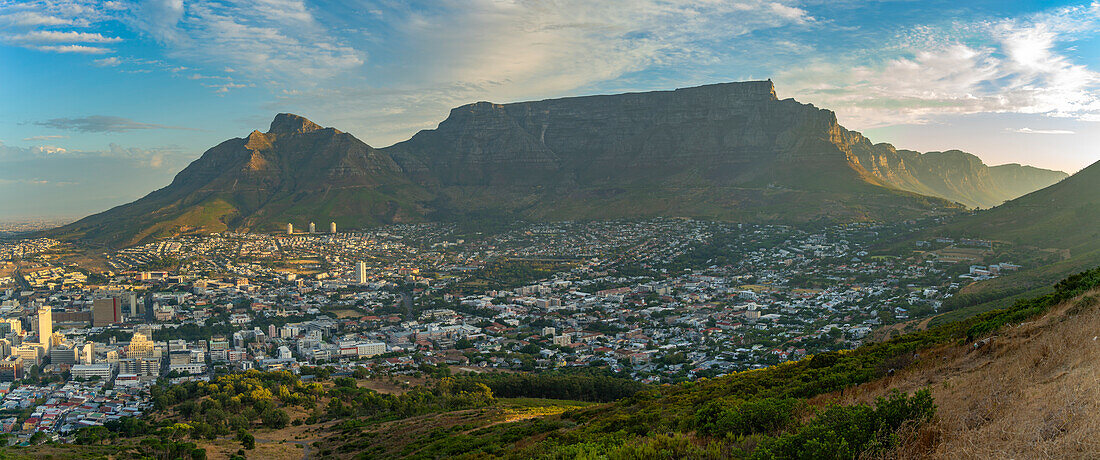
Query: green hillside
x,y
1062,222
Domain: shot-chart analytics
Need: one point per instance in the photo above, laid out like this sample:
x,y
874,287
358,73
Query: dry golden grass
x,y
1032,391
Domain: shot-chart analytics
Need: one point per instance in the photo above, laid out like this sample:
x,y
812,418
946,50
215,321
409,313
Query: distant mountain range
x,y
723,151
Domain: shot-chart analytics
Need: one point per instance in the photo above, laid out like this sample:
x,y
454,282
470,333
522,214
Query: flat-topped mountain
x,y
723,151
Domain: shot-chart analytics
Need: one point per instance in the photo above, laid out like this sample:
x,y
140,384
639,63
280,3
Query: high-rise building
x,y
312,227
361,272
133,307
87,353
106,312
289,228
332,227
11,325
45,324
141,347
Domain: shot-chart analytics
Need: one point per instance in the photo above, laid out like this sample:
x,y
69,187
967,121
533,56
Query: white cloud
x,y
48,149
32,18
1041,131
53,36
268,40
79,49
107,62
45,138
31,24
156,157
1012,65
459,51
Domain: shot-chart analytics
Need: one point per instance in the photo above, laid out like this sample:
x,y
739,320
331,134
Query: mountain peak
x,y
289,123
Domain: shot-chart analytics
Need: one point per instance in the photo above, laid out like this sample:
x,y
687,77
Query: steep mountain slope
x,y
724,151
955,175
1027,392
1062,220
1065,215
296,171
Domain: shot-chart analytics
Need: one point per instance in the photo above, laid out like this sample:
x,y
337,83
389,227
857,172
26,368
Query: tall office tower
x,y
289,228
149,313
133,309
45,325
332,227
87,353
361,272
106,312
312,227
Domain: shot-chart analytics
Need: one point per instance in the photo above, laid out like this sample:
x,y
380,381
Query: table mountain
x,y
723,151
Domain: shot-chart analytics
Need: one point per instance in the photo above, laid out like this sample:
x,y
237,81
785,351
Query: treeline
x,y
502,274
1023,309
348,400
235,402
573,386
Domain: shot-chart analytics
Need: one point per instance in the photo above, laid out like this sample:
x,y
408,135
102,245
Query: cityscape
x,y
658,301
519,229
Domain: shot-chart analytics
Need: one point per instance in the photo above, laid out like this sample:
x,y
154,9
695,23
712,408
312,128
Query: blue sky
x,y
103,102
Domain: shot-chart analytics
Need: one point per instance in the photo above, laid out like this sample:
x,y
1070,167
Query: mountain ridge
x,y
731,151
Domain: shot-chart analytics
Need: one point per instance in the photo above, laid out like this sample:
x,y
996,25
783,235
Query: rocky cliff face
x,y
724,151
954,175
732,133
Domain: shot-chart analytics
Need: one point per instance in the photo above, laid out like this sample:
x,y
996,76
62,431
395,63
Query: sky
x,y
103,102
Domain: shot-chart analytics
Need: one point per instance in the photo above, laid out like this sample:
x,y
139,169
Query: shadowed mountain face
x,y
1064,216
725,151
955,175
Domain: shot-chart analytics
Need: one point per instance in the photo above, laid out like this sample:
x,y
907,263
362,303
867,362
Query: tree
x,y
248,441
275,418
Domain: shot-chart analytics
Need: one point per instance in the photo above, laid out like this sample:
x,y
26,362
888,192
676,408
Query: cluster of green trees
x,y
586,385
235,402
509,273
348,400
163,441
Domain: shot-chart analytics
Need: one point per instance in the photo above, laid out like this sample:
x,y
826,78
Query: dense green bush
x,y
577,386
